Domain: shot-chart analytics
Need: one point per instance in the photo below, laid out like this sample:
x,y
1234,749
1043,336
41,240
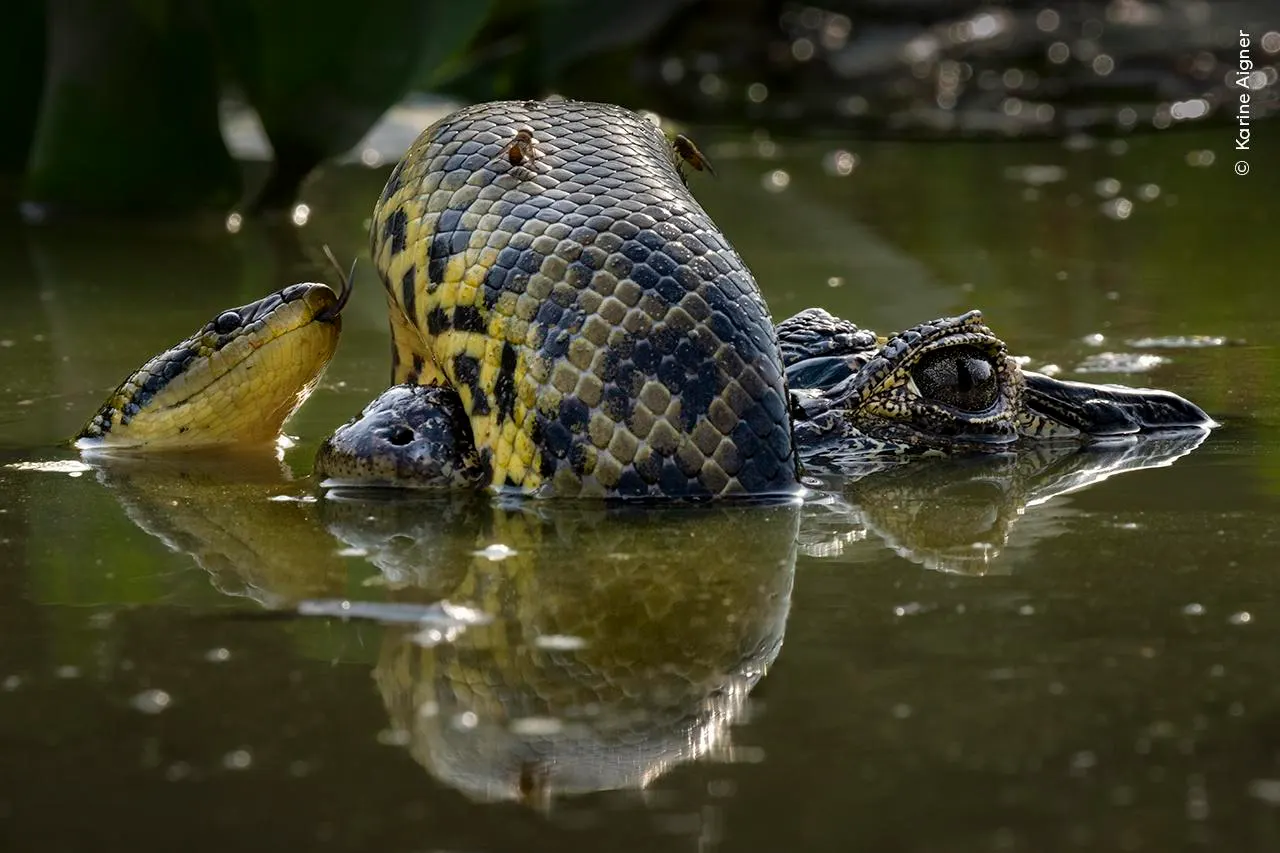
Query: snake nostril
x,y
400,435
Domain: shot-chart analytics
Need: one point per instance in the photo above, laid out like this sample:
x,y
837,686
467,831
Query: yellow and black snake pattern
x,y
546,260
237,379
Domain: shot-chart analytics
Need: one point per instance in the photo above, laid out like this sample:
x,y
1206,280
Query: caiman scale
x,y
567,320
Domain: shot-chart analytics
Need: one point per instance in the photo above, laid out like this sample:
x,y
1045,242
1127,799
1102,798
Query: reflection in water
x,y
536,649
958,514
623,641
618,641
226,511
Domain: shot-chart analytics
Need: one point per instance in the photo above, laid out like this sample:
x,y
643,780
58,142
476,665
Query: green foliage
x,y
448,40
129,119
22,62
320,75
527,49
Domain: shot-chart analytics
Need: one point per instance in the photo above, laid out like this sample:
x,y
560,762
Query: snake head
x,y
234,381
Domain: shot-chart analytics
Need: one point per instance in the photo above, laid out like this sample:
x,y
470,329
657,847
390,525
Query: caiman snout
x,y
1103,411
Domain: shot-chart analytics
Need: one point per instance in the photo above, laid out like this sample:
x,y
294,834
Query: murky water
x,y
1062,652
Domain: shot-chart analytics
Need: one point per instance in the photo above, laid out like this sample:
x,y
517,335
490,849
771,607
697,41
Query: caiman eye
x,y
961,377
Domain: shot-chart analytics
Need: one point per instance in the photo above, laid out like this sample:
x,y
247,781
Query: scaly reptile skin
x,y
568,321
198,392
603,335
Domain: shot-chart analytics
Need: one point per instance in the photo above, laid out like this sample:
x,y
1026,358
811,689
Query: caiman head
x,y
950,385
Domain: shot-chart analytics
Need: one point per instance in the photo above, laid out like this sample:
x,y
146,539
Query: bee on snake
x,y
690,154
522,149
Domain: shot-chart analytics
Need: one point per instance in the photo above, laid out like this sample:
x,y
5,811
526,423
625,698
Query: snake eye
x,y
961,377
227,322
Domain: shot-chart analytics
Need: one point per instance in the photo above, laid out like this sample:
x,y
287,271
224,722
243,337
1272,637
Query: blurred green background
x,y
123,106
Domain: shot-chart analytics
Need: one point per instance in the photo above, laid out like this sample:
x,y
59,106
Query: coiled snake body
x,y
602,334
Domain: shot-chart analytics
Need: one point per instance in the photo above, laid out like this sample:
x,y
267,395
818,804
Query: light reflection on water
x,y
1031,654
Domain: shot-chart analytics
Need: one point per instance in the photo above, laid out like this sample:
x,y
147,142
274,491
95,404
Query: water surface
x,y
1062,652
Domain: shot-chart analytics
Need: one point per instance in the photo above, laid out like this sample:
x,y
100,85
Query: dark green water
x,y
960,657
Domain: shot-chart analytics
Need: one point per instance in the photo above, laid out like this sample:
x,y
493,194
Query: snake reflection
x,y
615,642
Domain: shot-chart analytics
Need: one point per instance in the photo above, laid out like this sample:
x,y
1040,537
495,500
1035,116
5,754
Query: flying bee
x,y
689,153
521,150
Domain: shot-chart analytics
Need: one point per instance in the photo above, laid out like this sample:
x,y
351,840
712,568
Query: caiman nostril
x,y
400,435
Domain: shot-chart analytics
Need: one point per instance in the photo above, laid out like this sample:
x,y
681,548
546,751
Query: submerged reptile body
x,y
603,336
